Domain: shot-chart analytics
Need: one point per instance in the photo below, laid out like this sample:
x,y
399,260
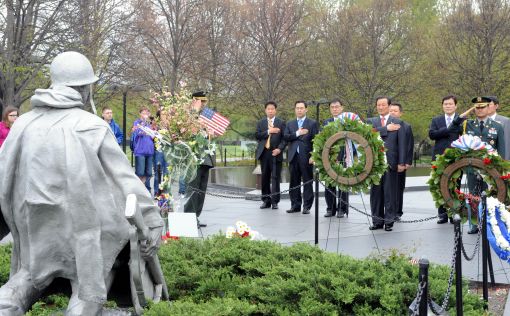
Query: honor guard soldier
x,y
490,132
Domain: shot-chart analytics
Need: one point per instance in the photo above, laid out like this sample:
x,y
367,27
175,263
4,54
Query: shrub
x,y
219,276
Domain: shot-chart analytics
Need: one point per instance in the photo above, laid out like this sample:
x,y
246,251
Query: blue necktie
x,y
300,124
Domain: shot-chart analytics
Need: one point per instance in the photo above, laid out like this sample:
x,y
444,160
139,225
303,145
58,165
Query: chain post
x,y
485,250
458,265
317,208
423,278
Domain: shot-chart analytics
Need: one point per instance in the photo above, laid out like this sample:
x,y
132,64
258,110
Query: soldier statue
x,y
63,188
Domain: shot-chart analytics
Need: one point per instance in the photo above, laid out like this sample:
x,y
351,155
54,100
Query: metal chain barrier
x,y
377,217
234,196
450,282
477,245
417,299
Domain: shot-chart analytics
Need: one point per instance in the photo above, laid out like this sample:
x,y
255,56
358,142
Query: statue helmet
x,y
71,69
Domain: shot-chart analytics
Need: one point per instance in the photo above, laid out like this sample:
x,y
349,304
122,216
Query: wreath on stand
x,y
368,165
467,151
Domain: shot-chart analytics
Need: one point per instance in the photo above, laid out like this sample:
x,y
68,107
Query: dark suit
x,y
384,197
409,161
342,205
299,153
271,167
441,135
443,138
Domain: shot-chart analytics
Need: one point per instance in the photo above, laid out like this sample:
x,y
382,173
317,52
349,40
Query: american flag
x,y
214,121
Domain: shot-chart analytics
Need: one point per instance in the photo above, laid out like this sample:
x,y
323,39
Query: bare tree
x,y
27,42
267,47
370,51
474,47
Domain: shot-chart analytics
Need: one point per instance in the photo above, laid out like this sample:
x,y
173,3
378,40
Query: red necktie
x,y
382,120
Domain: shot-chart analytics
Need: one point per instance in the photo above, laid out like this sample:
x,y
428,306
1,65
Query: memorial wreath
x,y
467,151
365,168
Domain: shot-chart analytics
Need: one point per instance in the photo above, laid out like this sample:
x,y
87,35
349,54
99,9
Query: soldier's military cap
x,y
481,102
200,95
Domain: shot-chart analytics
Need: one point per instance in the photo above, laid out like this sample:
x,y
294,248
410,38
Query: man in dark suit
x,y
384,197
195,199
396,111
340,207
298,135
270,153
443,133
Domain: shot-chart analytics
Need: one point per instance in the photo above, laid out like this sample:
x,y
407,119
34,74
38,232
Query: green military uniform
x,y
490,132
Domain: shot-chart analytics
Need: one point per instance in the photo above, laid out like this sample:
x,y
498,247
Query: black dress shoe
x,y
265,205
274,206
472,231
293,210
442,220
388,228
375,227
340,215
306,210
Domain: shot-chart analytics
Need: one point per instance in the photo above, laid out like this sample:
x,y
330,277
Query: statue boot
x,y
18,294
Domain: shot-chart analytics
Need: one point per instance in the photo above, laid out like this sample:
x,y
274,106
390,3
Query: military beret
x,y
200,95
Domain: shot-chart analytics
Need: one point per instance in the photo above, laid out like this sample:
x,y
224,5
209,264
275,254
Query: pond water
x,y
242,177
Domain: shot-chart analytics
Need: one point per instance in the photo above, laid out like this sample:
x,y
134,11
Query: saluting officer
x,y
482,126
489,131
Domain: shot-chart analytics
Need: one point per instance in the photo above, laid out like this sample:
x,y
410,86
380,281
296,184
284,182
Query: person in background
x,y
143,147
195,198
160,164
384,196
299,134
9,116
397,111
443,133
503,120
270,154
340,206
108,117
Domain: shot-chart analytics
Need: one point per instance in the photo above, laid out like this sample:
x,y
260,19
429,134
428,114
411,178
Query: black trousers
x,y
301,169
335,205
271,177
195,202
401,178
384,199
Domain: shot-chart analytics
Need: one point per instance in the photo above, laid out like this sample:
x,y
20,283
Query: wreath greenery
x,y
454,155
374,141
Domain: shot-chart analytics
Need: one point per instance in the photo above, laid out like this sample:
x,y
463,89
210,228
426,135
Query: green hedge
x,y
219,276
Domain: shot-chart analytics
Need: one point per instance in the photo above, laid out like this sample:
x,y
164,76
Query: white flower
x,y
230,232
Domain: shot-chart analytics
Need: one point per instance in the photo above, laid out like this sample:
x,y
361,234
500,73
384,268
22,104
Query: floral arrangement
x,y
350,123
181,136
167,236
498,227
242,230
467,146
